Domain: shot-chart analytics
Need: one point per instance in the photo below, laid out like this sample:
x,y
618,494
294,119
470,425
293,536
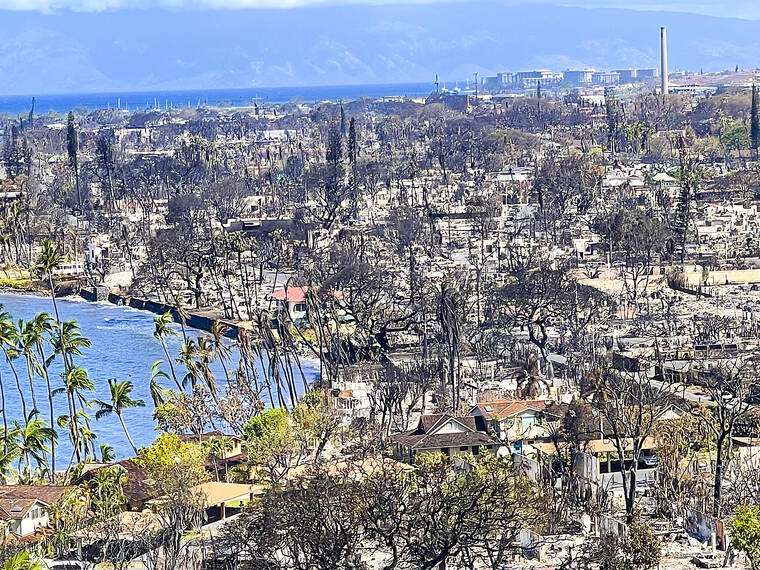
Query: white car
x,y
649,461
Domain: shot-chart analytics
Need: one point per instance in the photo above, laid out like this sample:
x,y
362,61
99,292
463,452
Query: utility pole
x,y
436,83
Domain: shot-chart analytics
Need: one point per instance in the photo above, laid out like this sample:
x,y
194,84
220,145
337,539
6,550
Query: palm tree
x,y
530,382
106,491
32,439
22,561
69,342
221,350
187,353
9,455
48,260
107,454
27,343
120,401
8,343
158,393
218,448
181,313
41,324
87,437
76,381
163,330
205,353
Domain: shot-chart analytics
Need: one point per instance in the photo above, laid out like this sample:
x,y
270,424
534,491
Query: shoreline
x,y
195,320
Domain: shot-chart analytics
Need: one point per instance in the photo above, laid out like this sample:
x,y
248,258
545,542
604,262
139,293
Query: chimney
x,y
664,60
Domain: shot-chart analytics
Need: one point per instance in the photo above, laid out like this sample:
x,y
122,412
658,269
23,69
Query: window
x,y
445,451
300,307
464,449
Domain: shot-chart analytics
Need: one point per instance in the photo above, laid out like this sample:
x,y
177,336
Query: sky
x,y
75,46
748,9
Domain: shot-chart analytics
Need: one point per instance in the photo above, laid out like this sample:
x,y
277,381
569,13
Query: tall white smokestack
x,y
664,60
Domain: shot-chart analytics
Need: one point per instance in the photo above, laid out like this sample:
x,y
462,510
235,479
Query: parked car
x,y
649,461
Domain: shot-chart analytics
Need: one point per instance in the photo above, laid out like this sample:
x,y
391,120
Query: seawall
x,y
193,320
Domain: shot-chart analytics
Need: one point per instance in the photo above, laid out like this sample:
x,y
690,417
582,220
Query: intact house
x,y
231,455
446,434
222,500
234,451
294,300
24,508
518,420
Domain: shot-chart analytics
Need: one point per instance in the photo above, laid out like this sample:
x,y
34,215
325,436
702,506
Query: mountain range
x,y
162,48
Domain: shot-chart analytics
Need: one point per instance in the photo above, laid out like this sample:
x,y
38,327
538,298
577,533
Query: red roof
x,y
291,294
297,294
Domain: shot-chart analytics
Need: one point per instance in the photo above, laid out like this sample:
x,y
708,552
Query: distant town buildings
x,y
529,80
627,75
578,76
605,78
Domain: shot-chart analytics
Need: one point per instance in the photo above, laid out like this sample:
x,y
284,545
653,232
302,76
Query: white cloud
x,y
749,9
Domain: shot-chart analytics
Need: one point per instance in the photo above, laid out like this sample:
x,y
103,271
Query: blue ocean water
x,y
63,103
122,347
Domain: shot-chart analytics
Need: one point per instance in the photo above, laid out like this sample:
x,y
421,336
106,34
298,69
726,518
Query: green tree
x,y
23,561
745,532
315,421
173,466
47,262
273,448
188,351
66,516
106,491
217,448
120,400
107,454
158,393
27,342
76,383
69,342
32,440
38,333
9,455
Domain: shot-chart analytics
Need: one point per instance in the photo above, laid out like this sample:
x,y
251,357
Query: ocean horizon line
x,y
238,96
